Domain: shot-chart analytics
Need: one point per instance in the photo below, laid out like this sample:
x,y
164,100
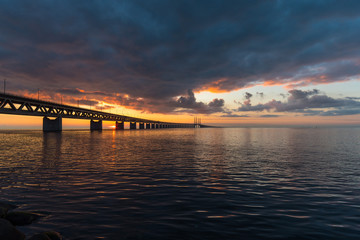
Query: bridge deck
x,y
12,104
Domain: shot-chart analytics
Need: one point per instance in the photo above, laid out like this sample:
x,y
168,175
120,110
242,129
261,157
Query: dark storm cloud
x,y
88,102
269,116
158,49
234,115
247,107
183,104
305,102
248,95
77,91
189,104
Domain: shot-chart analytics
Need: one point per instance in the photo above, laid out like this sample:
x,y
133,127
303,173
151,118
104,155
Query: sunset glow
x,y
262,77
166,119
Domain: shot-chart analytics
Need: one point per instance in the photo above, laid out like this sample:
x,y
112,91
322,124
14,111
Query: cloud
x,y
283,95
306,102
88,102
246,106
157,50
189,104
340,112
250,108
261,94
182,104
353,98
269,116
248,95
234,115
103,107
77,91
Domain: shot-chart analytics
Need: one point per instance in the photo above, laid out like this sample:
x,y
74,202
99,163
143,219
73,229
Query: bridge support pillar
x,y
132,125
95,125
141,126
119,126
148,126
50,125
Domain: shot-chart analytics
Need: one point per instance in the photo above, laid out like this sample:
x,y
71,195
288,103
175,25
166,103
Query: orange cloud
x,y
214,87
222,86
271,83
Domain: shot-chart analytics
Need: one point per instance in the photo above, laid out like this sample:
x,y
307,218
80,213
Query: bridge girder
x,y
17,105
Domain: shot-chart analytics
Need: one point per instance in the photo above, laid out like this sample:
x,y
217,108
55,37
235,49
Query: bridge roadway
x,y
12,104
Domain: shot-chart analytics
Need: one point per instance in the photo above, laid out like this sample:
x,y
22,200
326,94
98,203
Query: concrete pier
x,y
132,125
148,126
95,125
52,125
141,125
153,126
119,126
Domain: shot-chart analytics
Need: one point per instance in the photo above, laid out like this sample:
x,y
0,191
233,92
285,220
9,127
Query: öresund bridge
x,y
53,113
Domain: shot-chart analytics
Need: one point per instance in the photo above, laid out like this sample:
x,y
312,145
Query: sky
x,y
232,63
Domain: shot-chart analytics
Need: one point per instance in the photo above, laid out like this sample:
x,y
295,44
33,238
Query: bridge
x,y
53,113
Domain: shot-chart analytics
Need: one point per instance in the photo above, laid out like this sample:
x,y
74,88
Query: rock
x,y
21,218
3,212
9,232
7,205
51,235
40,236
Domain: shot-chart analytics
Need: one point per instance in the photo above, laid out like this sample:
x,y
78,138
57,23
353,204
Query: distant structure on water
x,y
12,104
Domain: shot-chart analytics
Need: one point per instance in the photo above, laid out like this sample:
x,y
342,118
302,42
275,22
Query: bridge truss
x,y
12,104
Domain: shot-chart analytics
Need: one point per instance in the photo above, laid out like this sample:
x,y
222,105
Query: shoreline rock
x,y
9,219
22,218
9,232
51,235
5,207
8,206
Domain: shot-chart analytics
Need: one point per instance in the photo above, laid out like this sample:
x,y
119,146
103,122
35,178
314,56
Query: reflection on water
x,y
187,183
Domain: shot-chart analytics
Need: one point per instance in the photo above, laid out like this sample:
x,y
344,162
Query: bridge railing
x,y
19,105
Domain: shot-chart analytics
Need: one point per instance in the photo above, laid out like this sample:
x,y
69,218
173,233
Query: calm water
x,y
186,183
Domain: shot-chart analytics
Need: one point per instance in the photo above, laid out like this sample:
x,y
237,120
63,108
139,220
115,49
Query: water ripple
x,y
186,183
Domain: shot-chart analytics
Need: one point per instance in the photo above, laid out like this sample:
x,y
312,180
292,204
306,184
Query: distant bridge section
x,y
12,104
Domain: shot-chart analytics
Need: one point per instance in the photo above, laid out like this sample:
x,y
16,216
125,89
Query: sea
x,y
207,183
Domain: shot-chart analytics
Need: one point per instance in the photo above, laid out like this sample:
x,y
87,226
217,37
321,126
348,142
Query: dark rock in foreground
x,y
21,218
3,212
53,235
47,236
8,221
7,206
9,232
40,236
